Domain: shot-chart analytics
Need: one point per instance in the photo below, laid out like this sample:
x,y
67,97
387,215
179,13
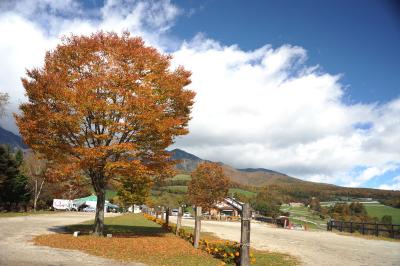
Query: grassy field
x,y
182,177
301,215
375,209
379,210
242,191
15,214
176,189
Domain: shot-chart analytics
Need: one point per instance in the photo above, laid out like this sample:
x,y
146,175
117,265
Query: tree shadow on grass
x,y
115,230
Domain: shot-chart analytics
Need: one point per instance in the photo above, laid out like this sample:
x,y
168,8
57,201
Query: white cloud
x,y
260,108
393,185
31,27
267,108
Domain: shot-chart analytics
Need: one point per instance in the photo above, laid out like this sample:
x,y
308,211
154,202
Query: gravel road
x,y
17,250
317,248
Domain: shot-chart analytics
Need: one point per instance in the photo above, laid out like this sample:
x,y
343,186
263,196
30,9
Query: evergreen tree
x,y
19,157
13,185
8,172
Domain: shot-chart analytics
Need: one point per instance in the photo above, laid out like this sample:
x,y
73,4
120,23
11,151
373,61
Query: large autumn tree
x,y
106,105
209,185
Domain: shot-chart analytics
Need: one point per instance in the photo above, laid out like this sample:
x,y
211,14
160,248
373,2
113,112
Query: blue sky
x,y
359,39
308,88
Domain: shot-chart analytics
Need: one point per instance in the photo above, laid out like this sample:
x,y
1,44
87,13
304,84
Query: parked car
x,y
187,215
89,209
174,212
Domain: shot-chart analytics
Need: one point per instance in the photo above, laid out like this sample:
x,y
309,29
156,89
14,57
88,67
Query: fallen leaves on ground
x,y
147,249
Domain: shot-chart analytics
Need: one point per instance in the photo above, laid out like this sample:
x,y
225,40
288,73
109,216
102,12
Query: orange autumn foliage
x,y
209,185
105,106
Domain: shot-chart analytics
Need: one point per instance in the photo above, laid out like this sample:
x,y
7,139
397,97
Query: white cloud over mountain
x,y
261,108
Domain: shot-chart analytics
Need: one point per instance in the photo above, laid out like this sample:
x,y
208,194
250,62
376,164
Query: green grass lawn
x,y
15,214
379,210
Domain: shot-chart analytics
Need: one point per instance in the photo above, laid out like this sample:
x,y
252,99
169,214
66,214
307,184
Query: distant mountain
x,y
187,161
178,154
287,186
248,176
9,138
252,170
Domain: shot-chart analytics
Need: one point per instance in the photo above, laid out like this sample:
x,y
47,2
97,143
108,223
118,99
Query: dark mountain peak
x,y
9,138
252,170
178,154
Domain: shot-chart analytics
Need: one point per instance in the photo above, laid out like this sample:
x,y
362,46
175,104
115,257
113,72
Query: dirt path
x,y
17,250
312,247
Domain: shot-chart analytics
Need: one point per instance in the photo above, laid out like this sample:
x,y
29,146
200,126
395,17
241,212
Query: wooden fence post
x,y
392,231
162,214
363,228
376,229
167,217
351,227
197,227
245,236
179,221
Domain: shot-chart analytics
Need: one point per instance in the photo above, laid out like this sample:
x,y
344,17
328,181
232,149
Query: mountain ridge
x,y
245,176
9,138
285,185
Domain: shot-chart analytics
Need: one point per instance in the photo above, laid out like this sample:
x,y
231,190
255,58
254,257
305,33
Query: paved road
x,y
17,250
316,248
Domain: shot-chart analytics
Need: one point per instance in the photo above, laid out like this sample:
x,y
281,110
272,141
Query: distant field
x,y
379,210
176,189
242,191
182,177
301,215
110,194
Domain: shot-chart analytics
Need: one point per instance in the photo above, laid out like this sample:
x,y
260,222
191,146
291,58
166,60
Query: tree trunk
x,y
35,197
99,219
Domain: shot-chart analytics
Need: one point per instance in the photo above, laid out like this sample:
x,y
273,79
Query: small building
x,y
223,209
91,201
229,207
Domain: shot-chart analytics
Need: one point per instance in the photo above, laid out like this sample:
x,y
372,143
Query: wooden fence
x,y
377,229
244,230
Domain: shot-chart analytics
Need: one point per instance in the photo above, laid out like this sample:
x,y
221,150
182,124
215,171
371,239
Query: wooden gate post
x,y
245,236
392,231
197,227
167,217
179,221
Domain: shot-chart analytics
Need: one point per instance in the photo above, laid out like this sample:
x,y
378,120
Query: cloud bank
x,y
261,108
